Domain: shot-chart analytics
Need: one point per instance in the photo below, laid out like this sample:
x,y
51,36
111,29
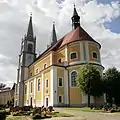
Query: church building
x,y
50,78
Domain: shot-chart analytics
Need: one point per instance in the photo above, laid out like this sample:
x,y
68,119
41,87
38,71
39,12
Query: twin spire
x,y
75,23
30,28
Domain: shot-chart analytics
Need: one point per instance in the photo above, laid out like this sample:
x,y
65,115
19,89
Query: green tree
x,y
111,79
89,82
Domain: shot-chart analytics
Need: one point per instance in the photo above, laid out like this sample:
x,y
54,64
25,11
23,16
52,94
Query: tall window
x,y
60,81
46,83
73,78
30,47
73,55
25,89
60,99
39,85
31,87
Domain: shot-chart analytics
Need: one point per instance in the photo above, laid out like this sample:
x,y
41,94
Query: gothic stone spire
x,y
54,36
30,29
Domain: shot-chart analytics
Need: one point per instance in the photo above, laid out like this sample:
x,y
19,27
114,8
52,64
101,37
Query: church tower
x,y
27,56
54,36
75,19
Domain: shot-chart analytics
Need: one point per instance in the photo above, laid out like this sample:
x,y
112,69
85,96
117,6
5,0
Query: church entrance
x,y
46,102
31,101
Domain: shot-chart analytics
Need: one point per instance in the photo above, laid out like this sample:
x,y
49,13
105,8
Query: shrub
x,y
26,108
2,115
37,116
37,110
50,108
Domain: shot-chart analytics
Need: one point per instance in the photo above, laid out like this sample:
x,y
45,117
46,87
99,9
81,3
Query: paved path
x,y
80,115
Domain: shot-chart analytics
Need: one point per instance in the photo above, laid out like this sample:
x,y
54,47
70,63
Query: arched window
x,y
30,47
73,78
45,65
59,60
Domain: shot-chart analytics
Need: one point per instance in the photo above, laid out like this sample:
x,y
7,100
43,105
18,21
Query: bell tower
x,y
27,56
75,19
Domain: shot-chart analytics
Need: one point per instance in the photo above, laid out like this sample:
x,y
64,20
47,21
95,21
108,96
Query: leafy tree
x,y
2,85
89,82
111,79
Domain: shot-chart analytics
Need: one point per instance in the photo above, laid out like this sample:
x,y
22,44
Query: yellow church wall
x,y
25,95
39,93
75,95
74,47
94,48
47,77
40,64
59,54
60,73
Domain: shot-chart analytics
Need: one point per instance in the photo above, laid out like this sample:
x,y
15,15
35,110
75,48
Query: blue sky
x,y
113,25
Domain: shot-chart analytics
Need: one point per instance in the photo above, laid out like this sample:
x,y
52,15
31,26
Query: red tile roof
x,y
78,34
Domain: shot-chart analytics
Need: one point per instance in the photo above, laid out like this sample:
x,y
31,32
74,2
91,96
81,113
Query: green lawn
x,y
10,117
85,109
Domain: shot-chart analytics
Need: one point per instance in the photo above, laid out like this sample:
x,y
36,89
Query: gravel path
x,y
80,115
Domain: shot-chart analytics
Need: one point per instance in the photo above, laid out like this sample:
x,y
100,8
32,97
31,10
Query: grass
x,y
10,117
85,109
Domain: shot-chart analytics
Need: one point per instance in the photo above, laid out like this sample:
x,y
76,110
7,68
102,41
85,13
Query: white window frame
x,y
58,81
76,55
61,99
71,79
37,85
96,53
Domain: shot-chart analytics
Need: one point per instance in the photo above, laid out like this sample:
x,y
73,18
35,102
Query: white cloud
x,y
14,16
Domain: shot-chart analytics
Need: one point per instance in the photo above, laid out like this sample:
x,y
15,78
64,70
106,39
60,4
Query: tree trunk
x,y
88,100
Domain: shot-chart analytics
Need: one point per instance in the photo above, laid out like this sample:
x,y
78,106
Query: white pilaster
x,y
51,86
54,85
81,52
87,51
42,101
66,53
85,99
104,97
66,86
51,58
35,86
